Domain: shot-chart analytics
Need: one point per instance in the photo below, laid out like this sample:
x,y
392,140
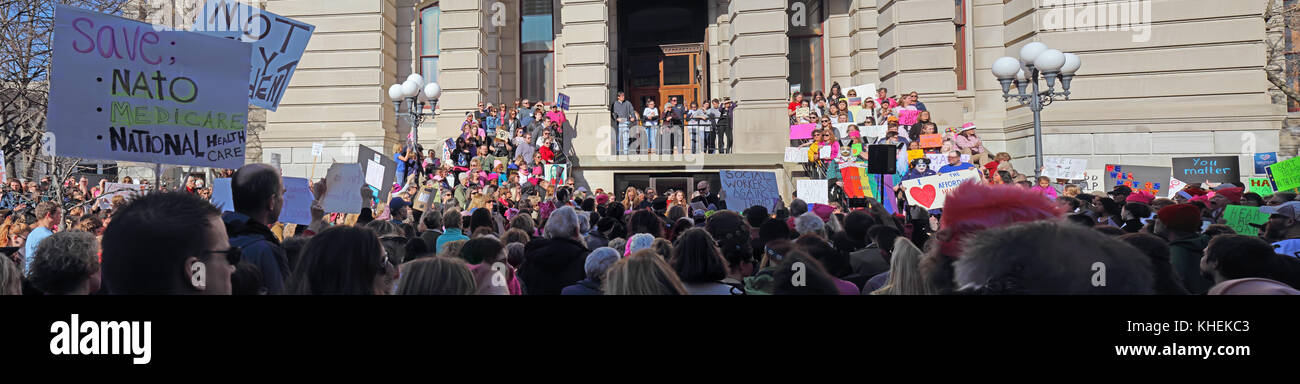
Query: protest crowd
x,y
495,211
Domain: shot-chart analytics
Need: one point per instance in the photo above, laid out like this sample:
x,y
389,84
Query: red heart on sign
x,y
923,195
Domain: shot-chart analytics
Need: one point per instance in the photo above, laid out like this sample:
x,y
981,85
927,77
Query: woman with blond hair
x,y
436,276
904,275
644,273
631,197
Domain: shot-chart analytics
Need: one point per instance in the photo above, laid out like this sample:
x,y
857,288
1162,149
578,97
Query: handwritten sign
x,y
930,192
1240,218
908,116
1261,186
1064,167
1154,180
796,155
276,44
221,196
1285,175
745,189
802,131
297,201
120,90
1093,180
342,189
1263,160
813,191
1175,186
931,141
1218,169
316,149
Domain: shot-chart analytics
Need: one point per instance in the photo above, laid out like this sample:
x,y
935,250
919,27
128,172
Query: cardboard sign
x,y
221,197
796,155
1284,175
908,117
1217,169
342,188
1064,167
1154,180
297,201
276,44
427,194
930,192
1261,186
931,141
745,189
316,149
1093,180
1263,160
122,90
802,131
813,191
563,101
1241,217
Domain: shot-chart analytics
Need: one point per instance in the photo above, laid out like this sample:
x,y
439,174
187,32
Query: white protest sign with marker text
x,y
276,43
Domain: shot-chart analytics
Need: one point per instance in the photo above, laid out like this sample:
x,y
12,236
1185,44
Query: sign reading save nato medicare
x,y
277,45
122,90
1218,169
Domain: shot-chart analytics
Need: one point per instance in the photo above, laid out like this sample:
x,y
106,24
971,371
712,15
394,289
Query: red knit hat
x,y
1233,194
973,207
1183,217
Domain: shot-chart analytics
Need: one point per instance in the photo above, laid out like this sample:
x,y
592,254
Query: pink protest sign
x,y
802,131
908,116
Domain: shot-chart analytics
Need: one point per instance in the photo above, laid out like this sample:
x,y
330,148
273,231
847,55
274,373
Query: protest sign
x,y
342,188
221,197
857,114
316,149
873,131
939,159
555,174
745,189
856,183
1218,169
4,173
1240,218
802,112
425,196
795,88
1064,167
802,131
1175,186
374,174
126,191
122,90
930,192
1092,181
908,117
1261,186
796,155
1154,180
297,201
276,45
563,101
913,154
1284,175
842,129
813,191
275,162
864,91
931,141
1263,160
382,174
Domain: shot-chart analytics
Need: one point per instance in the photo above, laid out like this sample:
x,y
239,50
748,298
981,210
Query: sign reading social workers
x,y
277,41
126,90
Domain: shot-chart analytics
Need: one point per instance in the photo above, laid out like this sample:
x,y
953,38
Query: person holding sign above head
x,y
258,194
955,164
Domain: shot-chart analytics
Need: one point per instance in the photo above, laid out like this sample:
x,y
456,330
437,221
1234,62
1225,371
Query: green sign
x,y
1240,218
1285,175
1261,185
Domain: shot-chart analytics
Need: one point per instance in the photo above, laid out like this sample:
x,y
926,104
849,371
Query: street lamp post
x,y
409,93
1036,59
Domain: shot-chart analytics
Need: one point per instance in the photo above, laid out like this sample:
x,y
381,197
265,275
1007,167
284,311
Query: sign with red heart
x,y
930,192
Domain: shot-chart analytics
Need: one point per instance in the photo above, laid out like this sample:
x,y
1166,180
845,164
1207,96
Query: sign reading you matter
x,y
121,90
1218,169
745,189
277,45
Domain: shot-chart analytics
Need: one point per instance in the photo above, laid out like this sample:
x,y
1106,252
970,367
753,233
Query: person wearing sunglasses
x,y
168,244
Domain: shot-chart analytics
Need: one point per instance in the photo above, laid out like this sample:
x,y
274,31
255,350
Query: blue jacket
x,y
449,235
259,247
585,287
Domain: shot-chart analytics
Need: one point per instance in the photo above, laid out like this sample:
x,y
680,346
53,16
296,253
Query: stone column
x,y
916,54
583,52
863,36
758,80
838,44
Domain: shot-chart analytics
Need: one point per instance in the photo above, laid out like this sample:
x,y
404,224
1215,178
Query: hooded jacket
x,y
552,264
258,246
1185,255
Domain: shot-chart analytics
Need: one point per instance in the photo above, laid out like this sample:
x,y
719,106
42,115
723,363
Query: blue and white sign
x,y
277,45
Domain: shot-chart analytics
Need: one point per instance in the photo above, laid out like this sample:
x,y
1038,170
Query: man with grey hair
x,y
810,223
66,263
556,260
597,263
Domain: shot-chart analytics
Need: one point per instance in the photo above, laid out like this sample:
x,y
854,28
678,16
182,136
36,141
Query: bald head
x,y
257,192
